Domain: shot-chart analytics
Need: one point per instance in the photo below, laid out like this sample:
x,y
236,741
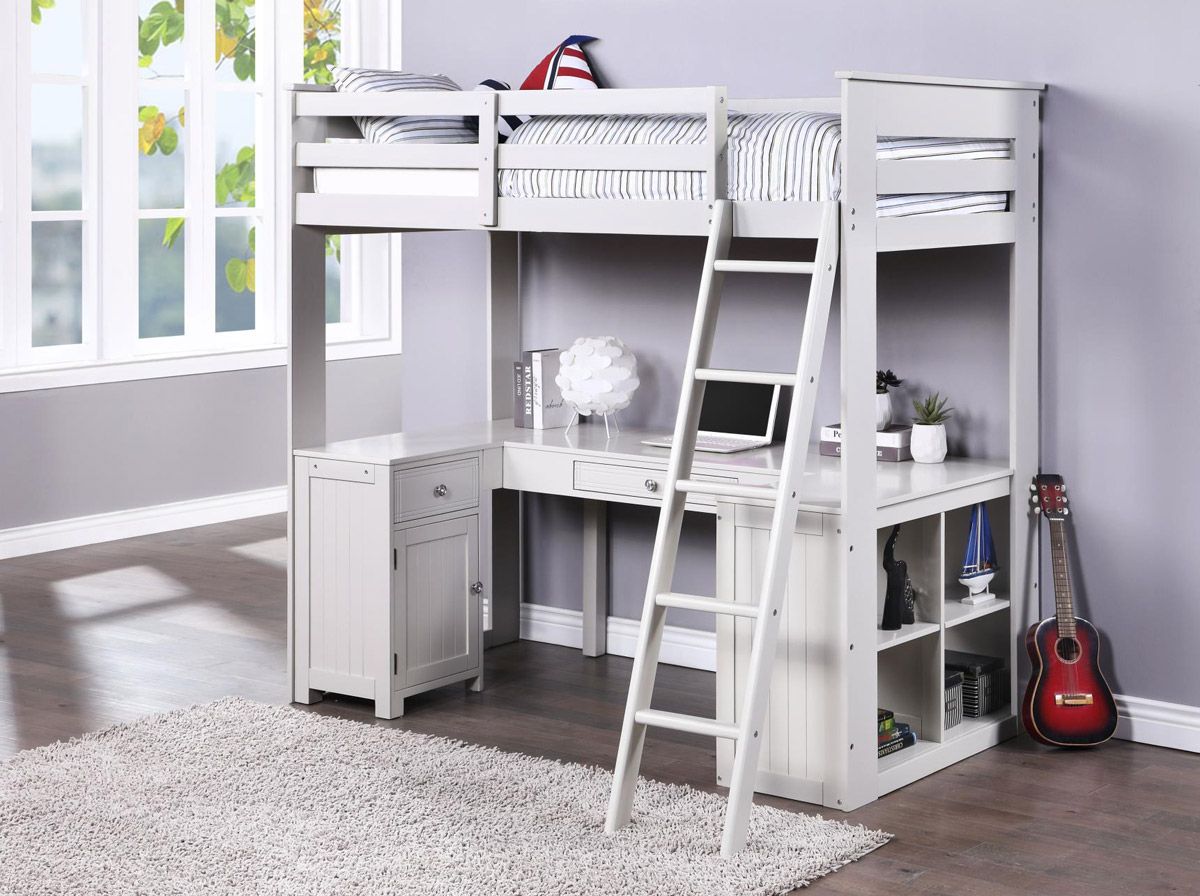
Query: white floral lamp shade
x,y
598,375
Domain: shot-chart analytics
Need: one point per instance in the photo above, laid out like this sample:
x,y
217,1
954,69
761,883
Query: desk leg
x,y
595,578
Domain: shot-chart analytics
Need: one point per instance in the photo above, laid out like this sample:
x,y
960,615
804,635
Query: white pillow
x,y
403,128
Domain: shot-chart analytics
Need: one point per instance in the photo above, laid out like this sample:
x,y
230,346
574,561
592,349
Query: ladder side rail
x,y
762,651
670,521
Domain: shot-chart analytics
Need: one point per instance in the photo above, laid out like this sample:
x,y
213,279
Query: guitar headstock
x,y
1049,496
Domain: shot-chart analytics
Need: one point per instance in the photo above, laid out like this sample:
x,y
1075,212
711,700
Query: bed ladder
x,y
638,714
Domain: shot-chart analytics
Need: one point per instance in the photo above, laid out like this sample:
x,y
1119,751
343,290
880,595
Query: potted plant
x,y
883,401
929,429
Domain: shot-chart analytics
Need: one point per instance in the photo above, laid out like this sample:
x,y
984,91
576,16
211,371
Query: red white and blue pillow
x,y
566,67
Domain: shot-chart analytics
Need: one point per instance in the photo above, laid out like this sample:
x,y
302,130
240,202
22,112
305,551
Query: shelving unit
x,y
911,674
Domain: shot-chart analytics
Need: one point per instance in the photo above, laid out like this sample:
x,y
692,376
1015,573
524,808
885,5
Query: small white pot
x,y
929,443
883,411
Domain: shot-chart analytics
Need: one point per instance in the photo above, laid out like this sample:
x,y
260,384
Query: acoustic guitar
x,y
1068,703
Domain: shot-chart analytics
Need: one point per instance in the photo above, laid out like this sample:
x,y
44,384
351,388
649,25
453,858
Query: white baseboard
x,y
1173,725
100,527
680,647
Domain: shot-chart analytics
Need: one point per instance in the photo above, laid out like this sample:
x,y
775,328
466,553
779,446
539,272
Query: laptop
x,y
734,417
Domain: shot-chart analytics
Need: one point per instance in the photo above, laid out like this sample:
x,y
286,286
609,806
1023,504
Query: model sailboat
x,y
979,562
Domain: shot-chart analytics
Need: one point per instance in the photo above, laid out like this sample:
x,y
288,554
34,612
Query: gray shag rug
x,y
238,797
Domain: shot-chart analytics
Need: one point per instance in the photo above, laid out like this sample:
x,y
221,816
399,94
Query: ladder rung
x,y
732,266
691,724
716,375
707,604
726,490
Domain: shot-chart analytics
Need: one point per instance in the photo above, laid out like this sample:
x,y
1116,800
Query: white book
x,y
549,409
898,435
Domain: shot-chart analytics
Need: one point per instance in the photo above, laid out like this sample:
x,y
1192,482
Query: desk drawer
x,y
439,488
637,482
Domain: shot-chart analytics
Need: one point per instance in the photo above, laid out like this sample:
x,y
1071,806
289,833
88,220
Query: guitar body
x,y
1068,703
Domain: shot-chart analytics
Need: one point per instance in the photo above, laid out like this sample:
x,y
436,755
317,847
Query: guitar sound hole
x,y
1067,649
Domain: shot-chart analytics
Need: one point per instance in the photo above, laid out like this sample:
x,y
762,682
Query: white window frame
x,y
111,350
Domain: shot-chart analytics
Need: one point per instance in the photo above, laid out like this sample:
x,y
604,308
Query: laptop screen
x,y
740,408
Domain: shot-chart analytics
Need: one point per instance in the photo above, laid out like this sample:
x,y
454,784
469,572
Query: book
x,y
897,744
882,452
518,394
898,435
896,732
549,409
887,720
526,395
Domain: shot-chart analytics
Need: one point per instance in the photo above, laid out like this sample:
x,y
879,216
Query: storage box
x,y
954,705
985,682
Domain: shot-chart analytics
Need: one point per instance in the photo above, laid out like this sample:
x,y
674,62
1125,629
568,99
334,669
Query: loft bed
x,y
336,183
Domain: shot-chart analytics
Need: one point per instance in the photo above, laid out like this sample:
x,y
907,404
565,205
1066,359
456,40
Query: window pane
x,y
57,282
235,273
160,38
57,147
322,39
57,38
160,277
234,51
235,149
333,279
161,139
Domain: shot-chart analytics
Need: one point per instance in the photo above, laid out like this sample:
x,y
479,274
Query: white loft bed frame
x,y
871,105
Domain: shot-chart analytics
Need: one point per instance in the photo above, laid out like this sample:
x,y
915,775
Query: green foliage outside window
x,y
38,6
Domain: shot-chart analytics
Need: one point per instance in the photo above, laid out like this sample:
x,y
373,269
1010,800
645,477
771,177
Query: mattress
x,y
776,157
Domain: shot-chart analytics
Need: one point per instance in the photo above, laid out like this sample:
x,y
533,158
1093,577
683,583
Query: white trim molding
x,y
680,646
83,530
1173,725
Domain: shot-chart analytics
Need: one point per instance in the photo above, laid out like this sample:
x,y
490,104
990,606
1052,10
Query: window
x,y
136,195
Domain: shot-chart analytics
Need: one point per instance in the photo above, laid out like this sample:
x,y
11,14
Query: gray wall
x,y
1120,270
94,449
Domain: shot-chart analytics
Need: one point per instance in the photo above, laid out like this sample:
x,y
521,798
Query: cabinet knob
x,y
439,491
651,485
477,588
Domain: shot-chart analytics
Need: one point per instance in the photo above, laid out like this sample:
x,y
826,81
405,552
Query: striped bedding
x,y
773,156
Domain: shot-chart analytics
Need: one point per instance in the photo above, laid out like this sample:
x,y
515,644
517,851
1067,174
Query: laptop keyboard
x,y
715,442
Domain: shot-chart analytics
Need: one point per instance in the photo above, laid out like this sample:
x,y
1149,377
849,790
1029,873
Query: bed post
x,y
301,278
503,347
1023,370
851,777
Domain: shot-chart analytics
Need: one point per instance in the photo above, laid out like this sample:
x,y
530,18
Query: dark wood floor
x,y
108,633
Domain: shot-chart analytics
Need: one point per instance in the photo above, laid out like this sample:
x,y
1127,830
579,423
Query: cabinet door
x,y
437,600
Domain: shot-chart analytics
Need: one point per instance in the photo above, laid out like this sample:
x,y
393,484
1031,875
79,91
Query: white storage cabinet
x,y
388,588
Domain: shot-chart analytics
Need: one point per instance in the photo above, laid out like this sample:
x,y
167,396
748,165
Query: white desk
x,y
449,495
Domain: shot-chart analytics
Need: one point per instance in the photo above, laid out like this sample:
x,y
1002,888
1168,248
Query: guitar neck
x,y
1064,603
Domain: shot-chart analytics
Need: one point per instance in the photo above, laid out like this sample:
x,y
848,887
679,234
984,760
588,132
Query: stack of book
x,y
537,400
892,444
893,736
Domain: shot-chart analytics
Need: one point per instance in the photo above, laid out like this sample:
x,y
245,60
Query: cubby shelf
x,y
969,726
916,751
908,633
956,612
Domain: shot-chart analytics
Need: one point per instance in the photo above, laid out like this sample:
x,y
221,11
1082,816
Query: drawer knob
x,y
439,491
477,588
651,485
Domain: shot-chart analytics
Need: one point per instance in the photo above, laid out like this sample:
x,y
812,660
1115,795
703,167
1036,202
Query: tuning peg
x,y
1033,487
1066,512
1037,508
1064,499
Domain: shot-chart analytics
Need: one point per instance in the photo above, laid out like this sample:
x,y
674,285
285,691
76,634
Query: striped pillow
x,y
403,128
566,67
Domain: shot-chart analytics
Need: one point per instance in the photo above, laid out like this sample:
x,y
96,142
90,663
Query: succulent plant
x,y
932,410
884,379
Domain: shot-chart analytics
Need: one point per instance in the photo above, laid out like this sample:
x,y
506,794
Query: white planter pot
x,y
929,443
883,411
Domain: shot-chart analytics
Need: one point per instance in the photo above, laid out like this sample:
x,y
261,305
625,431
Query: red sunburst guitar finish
x,y
1068,703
